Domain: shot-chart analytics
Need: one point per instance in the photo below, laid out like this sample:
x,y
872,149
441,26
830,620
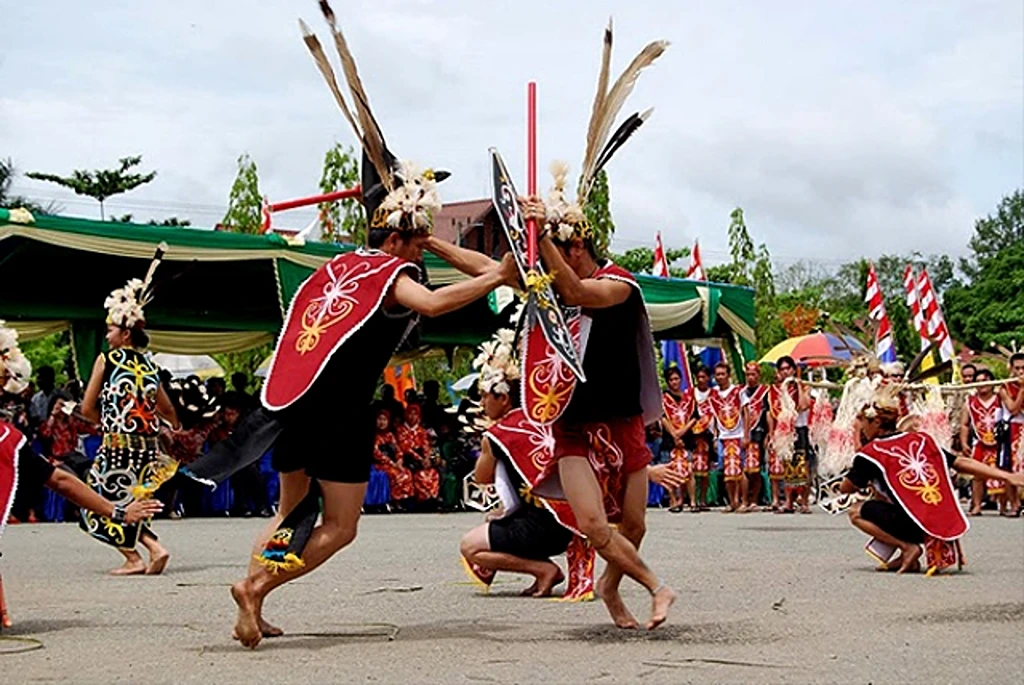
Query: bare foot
x,y
546,582
247,627
131,567
911,561
620,613
661,602
974,512
158,562
268,629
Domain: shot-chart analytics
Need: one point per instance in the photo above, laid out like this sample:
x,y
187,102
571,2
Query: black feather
x,y
621,135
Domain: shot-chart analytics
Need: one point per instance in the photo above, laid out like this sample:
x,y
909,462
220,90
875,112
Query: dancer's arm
x,y
469,262
409,294
1012,406
486,464
91,399
165,409
965,429
591,293
981,470
665,476
69,487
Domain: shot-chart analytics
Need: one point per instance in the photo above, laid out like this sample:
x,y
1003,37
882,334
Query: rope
x,y
28,644
948,388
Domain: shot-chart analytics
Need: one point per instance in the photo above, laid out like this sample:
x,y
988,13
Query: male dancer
x,y
342,327
678,404
726,400
755,430
915,503
981,415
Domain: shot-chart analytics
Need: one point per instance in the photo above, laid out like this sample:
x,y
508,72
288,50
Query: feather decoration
x,y
610,106
372,140
621,135
599,96
147,282
324,65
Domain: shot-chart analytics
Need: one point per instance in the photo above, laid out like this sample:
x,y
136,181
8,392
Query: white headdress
x,y
498,361
567,220
125,305
15,368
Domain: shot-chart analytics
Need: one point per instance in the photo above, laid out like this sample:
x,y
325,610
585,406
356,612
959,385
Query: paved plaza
x,y
762,599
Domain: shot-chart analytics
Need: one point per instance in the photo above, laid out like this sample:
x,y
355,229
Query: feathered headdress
x,y
567,220
498,362
396,194
125,305
15,368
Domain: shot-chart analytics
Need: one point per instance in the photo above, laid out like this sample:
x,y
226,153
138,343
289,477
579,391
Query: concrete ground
x,y
763,599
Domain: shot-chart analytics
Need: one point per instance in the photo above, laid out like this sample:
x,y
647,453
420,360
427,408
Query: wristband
x,y
119,513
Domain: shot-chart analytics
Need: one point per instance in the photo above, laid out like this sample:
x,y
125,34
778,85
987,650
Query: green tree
x,y
995,233
245,202
599,214
640,260
9,201
100,184
344,220
246,361
989,308
169,221
53,351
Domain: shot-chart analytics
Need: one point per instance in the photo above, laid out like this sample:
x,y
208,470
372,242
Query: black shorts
x,y
892,519
337,448
530,533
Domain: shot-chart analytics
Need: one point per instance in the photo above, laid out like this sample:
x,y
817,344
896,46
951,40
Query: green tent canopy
x,y
223,292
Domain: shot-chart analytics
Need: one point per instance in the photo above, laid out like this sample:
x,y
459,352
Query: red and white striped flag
x,y
660,262
696,270
885,349
914,304
933,318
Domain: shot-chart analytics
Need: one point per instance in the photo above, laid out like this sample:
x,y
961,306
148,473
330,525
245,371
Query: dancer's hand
x,y
665,476
533,208
1016,480
509,271
142,509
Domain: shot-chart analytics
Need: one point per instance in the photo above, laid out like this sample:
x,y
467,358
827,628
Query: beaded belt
x,y
129,441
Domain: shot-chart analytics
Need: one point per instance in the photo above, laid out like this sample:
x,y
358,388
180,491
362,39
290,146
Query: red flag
x,y
660,262
934,321
696,270
885,350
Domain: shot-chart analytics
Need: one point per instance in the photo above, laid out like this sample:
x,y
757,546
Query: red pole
x,y
316,199
531,167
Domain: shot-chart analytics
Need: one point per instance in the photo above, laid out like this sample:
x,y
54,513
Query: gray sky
x,y
842,128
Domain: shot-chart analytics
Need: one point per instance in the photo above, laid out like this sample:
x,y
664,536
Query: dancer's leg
x,y
342,507
910,553
293,487
133,564
476,547
633,528
158,554
584,495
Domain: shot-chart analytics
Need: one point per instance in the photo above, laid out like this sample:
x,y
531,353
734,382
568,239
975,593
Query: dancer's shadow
x,y
45,626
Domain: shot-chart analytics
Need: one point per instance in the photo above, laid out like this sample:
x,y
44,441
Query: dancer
x,y
342,327
417,453
515,453
755,429
727,403
21,467
914,509
527,534
679,406
125,397
980,418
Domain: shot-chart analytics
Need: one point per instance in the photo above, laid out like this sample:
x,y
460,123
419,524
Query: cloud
x,y
842,128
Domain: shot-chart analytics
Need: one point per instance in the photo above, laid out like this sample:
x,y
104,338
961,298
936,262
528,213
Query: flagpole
x,y
531,168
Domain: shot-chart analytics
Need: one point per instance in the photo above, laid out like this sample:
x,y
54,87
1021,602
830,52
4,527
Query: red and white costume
x,y
754,403
703,431
984,417
679,412
728,408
